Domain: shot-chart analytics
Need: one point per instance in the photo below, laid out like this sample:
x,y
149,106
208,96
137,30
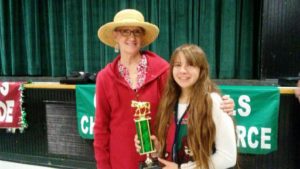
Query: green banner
x,y
85,107
256,115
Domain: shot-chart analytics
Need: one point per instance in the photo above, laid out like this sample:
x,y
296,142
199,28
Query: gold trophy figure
x,y
142,119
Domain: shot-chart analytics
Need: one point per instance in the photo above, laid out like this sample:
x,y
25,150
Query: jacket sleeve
x,y
101,127
226,150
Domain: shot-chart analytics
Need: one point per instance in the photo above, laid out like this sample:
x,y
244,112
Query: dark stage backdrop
x,y
56,37
280,39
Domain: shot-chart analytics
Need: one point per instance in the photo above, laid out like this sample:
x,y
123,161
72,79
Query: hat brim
x,y
105,32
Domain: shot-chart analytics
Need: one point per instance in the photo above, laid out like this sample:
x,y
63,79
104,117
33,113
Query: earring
x,y
117,48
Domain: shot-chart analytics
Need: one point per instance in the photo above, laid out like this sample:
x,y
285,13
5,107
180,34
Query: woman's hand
x,y
227,105
168,164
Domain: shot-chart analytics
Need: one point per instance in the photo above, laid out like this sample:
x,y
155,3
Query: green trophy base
x,y
154,165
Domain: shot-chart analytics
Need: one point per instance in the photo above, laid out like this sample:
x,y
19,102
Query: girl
x,y
192,131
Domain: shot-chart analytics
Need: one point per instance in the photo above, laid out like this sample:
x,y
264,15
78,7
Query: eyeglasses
x,y
128,32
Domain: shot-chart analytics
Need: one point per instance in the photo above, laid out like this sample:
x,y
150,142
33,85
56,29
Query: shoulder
x,y
103,71
106,72
157,66
110,68
216,98
153,57
216,101
218,113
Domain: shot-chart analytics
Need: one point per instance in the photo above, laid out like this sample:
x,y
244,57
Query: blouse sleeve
x,y
225,143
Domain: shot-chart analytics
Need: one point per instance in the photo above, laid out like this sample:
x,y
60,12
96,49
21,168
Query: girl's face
x,y
129,39
184,74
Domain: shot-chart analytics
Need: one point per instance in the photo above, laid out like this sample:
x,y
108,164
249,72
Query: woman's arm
x,y
101,127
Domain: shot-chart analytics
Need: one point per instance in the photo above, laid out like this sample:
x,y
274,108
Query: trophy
x,y
142,119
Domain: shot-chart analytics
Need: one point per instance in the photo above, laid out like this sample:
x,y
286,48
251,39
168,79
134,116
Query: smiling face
x,y
129,38
189,68
184,73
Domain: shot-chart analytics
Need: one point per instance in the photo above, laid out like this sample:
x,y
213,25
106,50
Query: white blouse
x,y
225,143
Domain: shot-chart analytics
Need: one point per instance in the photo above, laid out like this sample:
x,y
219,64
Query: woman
x,y
132,75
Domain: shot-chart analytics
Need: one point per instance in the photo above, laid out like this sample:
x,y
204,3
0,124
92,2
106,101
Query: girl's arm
x,y
225,143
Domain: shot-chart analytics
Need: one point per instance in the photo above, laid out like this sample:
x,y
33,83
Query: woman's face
x,y
184,74
129,39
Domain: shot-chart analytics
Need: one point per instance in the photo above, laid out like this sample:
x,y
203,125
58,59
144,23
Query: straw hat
x,y
128,17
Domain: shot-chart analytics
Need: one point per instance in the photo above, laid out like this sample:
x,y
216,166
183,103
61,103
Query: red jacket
x,y
114,127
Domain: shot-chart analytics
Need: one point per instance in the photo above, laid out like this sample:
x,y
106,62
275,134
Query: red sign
x,y
10,105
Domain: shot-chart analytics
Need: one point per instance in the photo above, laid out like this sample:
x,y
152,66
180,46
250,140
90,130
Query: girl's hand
x,y
188,165
227,105
137,144
138,147
156,145
168,164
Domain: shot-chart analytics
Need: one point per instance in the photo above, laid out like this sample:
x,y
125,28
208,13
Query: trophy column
x,y
142,124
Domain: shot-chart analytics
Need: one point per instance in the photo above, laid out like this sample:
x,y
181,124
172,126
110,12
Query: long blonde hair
x,y
201,128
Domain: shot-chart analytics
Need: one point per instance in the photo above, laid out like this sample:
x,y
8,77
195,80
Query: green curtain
x,y
57,37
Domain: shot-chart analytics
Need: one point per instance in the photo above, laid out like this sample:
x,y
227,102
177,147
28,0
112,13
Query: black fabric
x,y
79,78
